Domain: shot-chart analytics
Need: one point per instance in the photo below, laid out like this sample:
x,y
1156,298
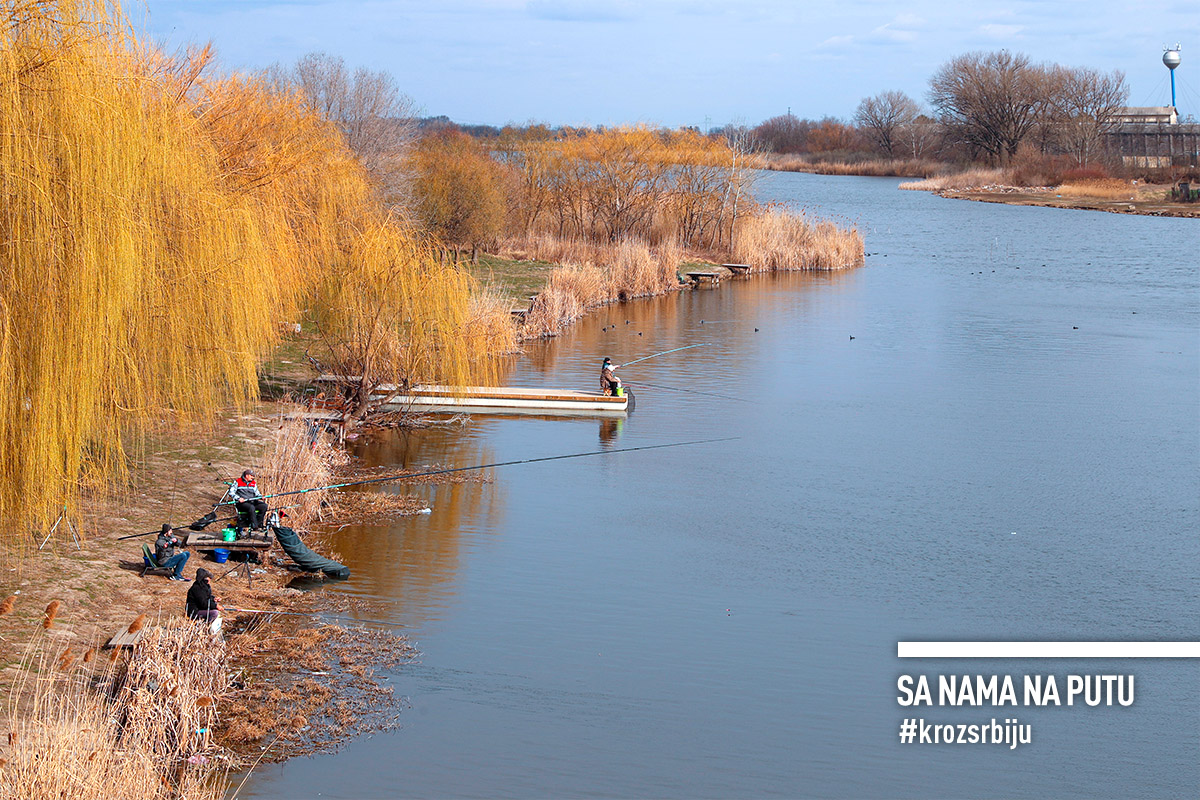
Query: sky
x,y
681,62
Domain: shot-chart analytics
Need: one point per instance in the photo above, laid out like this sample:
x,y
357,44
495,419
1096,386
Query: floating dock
x,y
495,400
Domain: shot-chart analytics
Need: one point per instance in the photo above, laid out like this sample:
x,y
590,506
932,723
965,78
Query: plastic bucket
x,y
229,535
221,555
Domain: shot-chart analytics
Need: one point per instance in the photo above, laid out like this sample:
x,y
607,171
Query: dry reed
x,y
1100,189
593,275
780,240
116,733
51,613
974,178
890,168
295,460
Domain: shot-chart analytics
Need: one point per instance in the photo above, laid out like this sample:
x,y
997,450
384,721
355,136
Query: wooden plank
x,y
737,267
123,638
199,540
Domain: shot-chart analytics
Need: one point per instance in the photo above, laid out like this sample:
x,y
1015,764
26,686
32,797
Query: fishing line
x,y
663,353
317,615
389,478
690,391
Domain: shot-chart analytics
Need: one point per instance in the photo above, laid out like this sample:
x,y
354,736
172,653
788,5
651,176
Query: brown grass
x,y
592,275
974,178
1100,188
117,733
295,461
780,240
880,168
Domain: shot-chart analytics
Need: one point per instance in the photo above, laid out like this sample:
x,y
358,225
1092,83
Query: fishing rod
x,y
691,391
389,478
198,525
314,614
663,353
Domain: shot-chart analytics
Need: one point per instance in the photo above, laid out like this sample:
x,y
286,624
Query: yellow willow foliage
x,y
391,312
625,182
156,228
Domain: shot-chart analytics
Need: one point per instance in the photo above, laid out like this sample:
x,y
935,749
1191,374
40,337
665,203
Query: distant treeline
x,y
980,108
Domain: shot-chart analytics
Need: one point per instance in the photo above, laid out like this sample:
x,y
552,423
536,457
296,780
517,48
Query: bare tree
x,y
991,99
884,117
1085,105
377,119
782,134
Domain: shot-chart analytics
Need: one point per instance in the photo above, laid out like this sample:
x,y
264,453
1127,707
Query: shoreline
x,y
1015,196
177,479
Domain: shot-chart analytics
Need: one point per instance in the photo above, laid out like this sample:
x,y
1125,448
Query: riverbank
x,y
1148,200
284,683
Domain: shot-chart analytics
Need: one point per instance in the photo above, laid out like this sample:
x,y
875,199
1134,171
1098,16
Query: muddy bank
x,y
301,672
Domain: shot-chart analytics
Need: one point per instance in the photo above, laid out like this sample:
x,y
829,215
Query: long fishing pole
x,y
690,391
205,525
389,478
663,353
314,614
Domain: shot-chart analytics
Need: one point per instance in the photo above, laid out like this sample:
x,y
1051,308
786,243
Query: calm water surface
x,y
1008,448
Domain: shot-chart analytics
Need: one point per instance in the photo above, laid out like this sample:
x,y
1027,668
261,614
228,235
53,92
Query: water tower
x,y
1171,59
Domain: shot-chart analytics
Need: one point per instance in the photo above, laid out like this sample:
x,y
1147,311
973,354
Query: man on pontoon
x,y
610,384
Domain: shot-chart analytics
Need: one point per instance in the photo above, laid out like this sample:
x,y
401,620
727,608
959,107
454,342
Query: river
x,y
991,431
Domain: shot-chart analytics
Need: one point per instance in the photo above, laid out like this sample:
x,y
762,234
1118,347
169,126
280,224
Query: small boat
x,y
504,400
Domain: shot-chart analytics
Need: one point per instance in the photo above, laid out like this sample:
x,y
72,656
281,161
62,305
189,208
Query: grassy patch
x,y
515,280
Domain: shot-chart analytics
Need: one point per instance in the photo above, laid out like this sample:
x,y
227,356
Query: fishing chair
x,y
150,565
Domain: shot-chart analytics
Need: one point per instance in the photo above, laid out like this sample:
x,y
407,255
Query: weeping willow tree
x,y
157,227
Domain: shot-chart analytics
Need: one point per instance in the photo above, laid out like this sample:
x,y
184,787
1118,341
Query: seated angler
x,y
201,604
610,384
165,555
249,501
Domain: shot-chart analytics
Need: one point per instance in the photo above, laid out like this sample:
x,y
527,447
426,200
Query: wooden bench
x,y
738,269
703,277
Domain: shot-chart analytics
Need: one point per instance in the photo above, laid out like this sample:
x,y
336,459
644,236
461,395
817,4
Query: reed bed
x,y
1099,189
781,240
882,168
298,459
131,729
975,178
593,275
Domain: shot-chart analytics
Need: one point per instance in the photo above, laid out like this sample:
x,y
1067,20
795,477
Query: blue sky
x,y
679,62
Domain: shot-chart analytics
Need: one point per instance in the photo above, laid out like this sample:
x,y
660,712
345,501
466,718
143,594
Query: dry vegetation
x,y
117,726
879,168
1102,189
779,240
974,178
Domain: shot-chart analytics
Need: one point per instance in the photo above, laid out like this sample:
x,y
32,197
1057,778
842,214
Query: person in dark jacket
x,y
248,500
165,555
202,605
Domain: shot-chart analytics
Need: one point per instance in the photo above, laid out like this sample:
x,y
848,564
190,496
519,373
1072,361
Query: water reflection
x,y
413,563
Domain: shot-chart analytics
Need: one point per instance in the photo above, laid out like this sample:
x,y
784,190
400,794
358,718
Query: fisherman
x,y
165,555
249,501
610,384
202,605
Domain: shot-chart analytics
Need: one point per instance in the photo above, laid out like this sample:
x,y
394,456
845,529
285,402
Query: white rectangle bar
x,y
1048,649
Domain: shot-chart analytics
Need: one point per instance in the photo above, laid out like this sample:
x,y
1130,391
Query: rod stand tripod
x,y
62,518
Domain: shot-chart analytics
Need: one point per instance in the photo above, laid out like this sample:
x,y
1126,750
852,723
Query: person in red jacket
x,y
249,501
